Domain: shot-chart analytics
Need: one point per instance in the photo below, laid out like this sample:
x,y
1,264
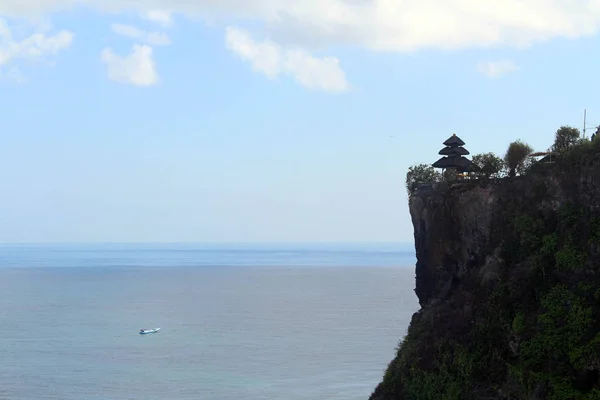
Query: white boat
x,y
146,331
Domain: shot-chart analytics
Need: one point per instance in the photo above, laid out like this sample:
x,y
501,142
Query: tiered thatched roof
x,y
454,153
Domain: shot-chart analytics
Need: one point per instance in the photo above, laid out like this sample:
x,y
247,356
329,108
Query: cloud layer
x,y
297,28
137,68
161,17
272,60
386,25
495,69
153,38
36,47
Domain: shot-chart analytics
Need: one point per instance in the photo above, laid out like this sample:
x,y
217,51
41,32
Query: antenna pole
x,y
584,115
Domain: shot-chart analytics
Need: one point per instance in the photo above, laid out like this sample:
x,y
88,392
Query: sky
x,y
268,120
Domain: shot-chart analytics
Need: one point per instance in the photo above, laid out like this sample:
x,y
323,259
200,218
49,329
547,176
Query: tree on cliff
x,y
489,165
420,173
565,138
515,159
596,135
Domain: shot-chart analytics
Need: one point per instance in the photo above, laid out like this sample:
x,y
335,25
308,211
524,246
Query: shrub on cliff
x,y
489,165
449,175
516,159
596,135
420,173
565,138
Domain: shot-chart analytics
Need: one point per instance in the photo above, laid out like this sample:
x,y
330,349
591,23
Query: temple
x,y
454,153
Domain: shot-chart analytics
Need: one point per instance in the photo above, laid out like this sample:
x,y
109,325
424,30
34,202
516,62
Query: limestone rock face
x,y
508,279
436,217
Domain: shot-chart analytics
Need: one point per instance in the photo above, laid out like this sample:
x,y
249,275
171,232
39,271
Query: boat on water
x,y
147,331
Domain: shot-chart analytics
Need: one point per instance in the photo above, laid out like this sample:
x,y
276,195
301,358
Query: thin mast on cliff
x,y
584,115
585,125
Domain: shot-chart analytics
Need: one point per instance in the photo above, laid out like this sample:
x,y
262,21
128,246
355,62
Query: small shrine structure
x,y
454,156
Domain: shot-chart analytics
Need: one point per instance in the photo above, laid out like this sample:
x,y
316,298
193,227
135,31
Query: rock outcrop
x,y
508,279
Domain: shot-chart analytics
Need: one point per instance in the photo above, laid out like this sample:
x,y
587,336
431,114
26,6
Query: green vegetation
x,y
488,165
534,332
552,312
432,366
516,159
562,344
450,175
518,324
565,138
594,232
570,257
418,174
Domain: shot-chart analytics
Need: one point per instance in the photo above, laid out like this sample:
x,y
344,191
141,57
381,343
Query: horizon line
x,y
396,243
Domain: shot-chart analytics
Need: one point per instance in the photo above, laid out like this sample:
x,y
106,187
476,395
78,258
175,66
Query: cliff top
x,y
508,278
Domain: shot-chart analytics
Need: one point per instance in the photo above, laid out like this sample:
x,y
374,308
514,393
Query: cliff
x,y
508,279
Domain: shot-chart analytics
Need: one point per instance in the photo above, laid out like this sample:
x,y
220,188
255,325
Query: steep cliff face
x,y
508,278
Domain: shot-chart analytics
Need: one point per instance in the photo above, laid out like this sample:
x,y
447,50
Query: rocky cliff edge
x,y
508,279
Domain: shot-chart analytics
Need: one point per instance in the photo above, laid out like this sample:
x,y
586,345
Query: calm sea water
x,y
253,322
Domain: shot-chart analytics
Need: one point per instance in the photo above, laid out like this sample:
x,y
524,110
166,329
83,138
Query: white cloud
x,y
386,25
377,25
31,48
153,38
161,17
265,57
272,60
13,75
16,76
316,73
495,69
137,68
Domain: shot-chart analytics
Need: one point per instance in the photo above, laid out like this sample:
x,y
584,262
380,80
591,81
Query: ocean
x,y
289,322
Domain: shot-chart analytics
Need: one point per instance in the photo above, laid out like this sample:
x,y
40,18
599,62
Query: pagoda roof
x,y
453,141
460,163
458,151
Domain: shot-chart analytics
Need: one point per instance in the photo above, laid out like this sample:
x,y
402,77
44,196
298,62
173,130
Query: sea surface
x,y
253,322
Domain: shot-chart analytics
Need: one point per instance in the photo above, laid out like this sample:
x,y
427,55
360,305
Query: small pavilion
x,y
454,156
547,156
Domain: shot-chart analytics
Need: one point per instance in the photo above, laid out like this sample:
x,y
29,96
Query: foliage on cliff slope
x,y
508,277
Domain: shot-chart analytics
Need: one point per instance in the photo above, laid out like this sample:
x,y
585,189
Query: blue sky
x,y
265,120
